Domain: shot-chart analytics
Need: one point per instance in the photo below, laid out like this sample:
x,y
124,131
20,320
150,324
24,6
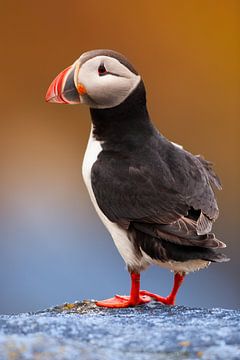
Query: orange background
x,y
52,245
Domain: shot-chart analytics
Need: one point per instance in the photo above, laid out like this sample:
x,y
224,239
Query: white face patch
x,y
107,90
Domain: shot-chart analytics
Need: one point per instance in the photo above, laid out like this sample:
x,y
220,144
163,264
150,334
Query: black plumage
x,y
161,194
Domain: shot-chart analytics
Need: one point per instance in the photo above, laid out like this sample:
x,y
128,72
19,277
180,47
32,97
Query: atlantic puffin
x,y
155,198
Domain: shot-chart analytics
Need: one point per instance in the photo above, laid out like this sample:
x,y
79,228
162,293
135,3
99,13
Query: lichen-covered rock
x,y
150,332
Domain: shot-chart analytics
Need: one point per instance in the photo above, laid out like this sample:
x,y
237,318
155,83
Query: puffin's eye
x,y
102,70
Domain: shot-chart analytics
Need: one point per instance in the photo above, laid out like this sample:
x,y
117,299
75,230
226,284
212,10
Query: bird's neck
x,y
128,122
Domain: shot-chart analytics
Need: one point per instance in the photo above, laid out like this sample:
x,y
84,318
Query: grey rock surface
x,y
153,331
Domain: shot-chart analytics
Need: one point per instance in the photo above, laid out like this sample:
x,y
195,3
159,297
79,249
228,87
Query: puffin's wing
x,y
169,189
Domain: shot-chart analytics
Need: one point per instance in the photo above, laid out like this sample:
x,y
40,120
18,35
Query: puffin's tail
x,y
214,256
164,250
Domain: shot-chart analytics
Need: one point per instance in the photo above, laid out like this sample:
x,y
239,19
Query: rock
x,y
83,331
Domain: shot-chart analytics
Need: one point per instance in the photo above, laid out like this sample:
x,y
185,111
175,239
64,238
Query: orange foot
x,y
169,300
123,301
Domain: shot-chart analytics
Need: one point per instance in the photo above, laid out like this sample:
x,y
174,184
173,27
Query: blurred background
x,y
53,247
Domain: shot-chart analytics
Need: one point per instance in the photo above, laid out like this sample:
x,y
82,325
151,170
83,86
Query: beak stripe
x,y
69,91
60,83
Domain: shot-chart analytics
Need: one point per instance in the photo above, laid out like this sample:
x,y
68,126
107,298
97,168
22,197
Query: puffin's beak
x,y
63,90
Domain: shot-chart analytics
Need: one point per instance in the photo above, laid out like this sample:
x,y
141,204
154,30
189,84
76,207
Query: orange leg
x,y
127,301
170,299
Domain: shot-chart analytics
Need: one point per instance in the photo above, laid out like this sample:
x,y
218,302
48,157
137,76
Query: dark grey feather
x,y
208,165
160,193
163,250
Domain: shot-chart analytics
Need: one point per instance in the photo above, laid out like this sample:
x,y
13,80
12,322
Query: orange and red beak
x,y
63,90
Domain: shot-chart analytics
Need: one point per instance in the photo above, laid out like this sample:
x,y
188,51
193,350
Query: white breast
x,y
119,235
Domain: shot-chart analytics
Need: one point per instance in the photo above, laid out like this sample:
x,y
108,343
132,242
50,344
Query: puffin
x,y
155,198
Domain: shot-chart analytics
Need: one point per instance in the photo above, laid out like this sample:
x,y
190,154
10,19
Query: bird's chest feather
x,y
94,148
119,235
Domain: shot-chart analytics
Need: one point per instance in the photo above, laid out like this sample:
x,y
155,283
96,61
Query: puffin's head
x,y
99,78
